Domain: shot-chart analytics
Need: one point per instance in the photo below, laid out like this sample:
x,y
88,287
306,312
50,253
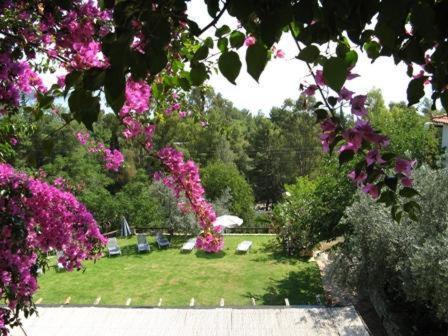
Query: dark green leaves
x,y
220,32
157,60
408,192
198,73
372,49
236,39
256,59
212,7
114,88
309,54
415,90
84,107
346,156
335,72
230,65
201,53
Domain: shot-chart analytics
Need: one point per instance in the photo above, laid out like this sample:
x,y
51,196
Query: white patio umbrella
x,y
228,221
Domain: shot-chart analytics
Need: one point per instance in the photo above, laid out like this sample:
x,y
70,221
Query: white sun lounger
x,y
142,243
189,245
244,246
112,247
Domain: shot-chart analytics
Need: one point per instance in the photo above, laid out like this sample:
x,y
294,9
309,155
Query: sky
x,y
282,77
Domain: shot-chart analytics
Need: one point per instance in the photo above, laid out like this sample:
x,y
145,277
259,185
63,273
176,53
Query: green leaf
x,y
321,114
212,7
387,197
256,59
94,79
138,64
222,44
201,53
408,192
372,49
309,54
236,39
72,79
220,32
391,182
114,88
184,84
335,72
198,73
84,107
415,90
346,156
208,42
157,60
351,57
230,65
44,101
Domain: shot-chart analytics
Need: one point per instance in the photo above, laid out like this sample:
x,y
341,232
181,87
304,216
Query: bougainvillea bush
x,y
37,218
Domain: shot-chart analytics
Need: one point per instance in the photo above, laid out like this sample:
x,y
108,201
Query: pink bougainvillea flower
x,y
403,166
82,137
406,182
374,156
372,190
279,53
310,90
13,141
250,40
357,177
358,105
182,114
345,94
319,77
351,76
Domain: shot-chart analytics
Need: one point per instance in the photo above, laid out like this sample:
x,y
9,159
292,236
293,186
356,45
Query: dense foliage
x,y
219,178
406,261
311,209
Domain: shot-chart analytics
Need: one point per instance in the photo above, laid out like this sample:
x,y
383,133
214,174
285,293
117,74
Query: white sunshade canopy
x,y
228,221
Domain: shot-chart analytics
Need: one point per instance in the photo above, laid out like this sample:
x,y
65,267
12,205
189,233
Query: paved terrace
x,y
262,321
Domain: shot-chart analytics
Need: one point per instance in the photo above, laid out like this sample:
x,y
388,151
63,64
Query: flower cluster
x,y
359,139
113,158
16,78
36,218
184,179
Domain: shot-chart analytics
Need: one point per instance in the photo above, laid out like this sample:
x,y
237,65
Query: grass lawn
x,y
263,274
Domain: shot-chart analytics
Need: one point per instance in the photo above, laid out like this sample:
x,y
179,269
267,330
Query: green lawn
x,y
176,277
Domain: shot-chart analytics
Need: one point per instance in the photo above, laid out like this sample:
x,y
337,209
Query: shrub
x,y
217,177
406,260
312,209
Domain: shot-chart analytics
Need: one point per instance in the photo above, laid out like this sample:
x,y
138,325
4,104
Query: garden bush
x,y
218,177
312,207
408,261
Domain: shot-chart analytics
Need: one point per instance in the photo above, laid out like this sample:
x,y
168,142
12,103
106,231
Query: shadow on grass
x,y
206,255
299,287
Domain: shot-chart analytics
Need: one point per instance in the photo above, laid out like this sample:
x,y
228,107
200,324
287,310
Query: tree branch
x,y
216,19
312,73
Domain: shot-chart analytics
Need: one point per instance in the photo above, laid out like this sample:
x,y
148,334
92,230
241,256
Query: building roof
x,y
287,321
441,120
